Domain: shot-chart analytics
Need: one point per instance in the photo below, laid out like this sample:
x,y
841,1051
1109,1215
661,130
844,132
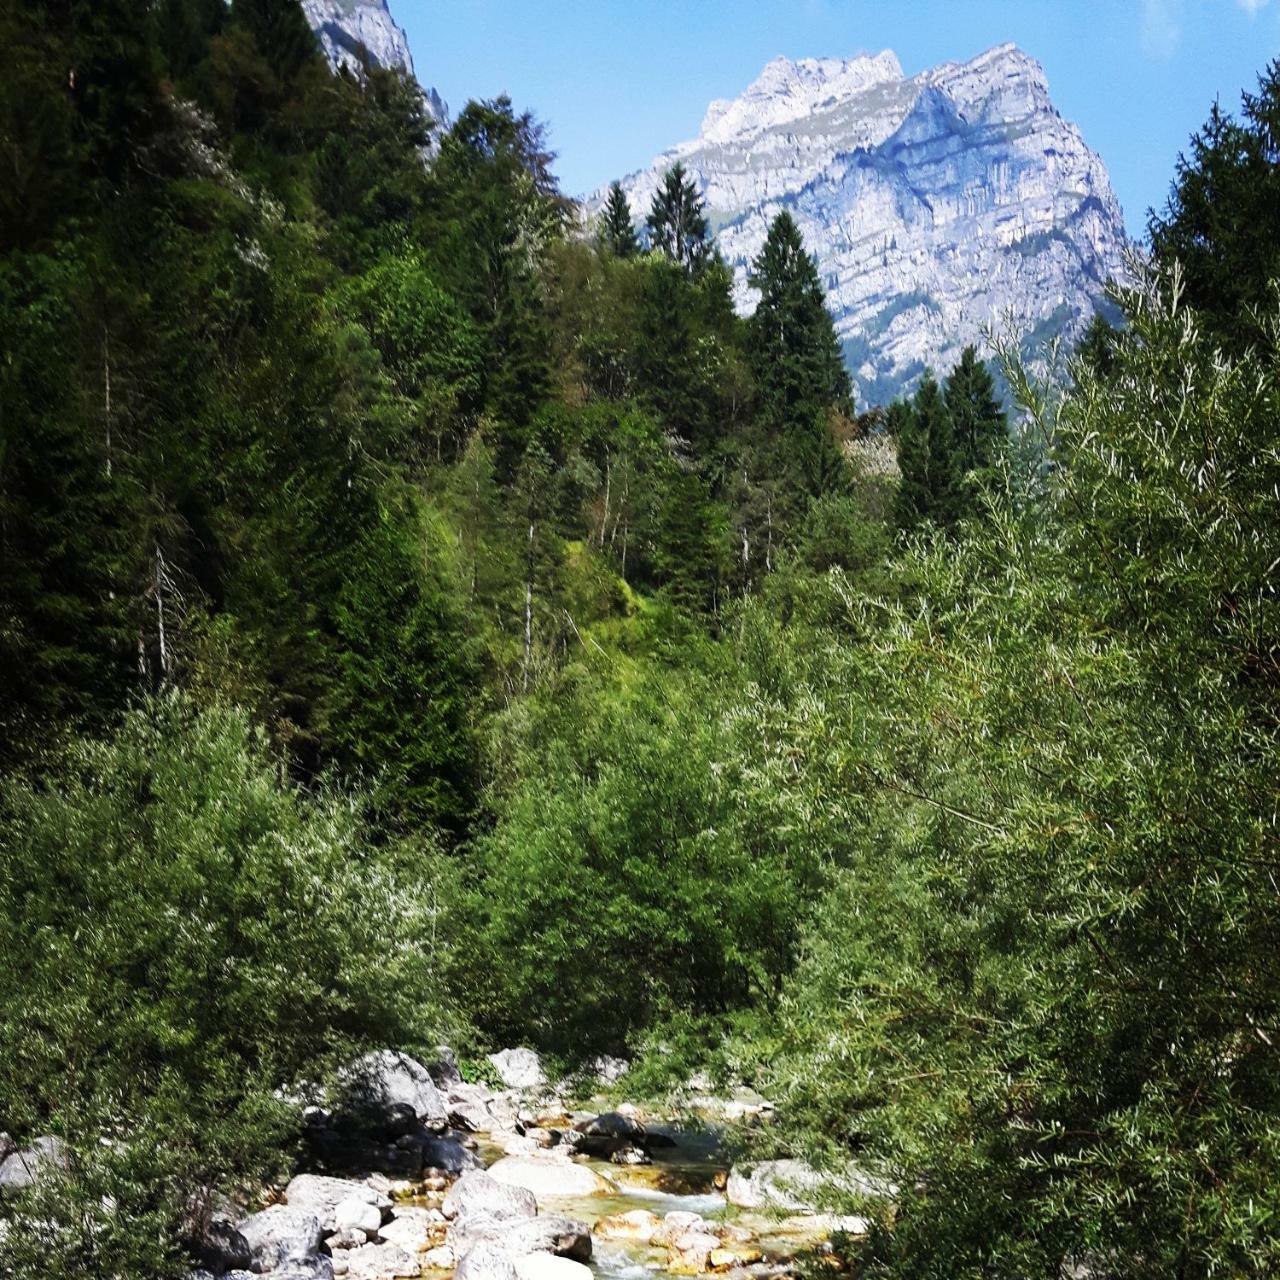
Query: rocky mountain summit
x,y
346,27
936,205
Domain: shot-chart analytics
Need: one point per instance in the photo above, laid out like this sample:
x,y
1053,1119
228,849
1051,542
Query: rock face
x,y
345,27
935,205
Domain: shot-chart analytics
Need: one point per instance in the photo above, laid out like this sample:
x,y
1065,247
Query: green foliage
x,y
1220,223
927,459
677,222
196,942
795,355
617,230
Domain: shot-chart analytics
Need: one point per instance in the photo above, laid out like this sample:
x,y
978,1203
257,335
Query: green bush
x,y
189,944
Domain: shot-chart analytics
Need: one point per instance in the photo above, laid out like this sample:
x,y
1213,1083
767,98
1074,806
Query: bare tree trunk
x,y
608,479
768,546
160,630
746,560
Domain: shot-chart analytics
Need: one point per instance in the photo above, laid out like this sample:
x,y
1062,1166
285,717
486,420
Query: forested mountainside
x,y
939,206
422,622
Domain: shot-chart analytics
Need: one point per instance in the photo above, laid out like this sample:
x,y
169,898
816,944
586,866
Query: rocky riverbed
x,y
419,1172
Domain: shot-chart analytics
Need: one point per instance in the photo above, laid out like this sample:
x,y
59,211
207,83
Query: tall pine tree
x,y
617,231
978,423
677,222
794,352
929,489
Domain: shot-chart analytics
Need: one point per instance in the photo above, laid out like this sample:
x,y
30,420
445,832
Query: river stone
x,y
317,1268
549,1176
519,1068
774,1184
549,1233
385,1079
222,1248
639,1225
546,1266
677,1222
444,1070
441,1258
282,1236
381,1262
322,1195
690,1251
479,1192
485,1261
411,1228
357,1215
612,1124
24,1168
441,1151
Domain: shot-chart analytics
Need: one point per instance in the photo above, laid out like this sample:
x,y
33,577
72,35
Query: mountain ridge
x,y
937,205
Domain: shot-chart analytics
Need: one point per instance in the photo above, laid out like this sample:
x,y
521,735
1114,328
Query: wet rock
x,y
630,1155
639,1225
546,1266
479,1192
612,1124
676,1223
728,1256
549,1176
690,1252
281,1236
519,1068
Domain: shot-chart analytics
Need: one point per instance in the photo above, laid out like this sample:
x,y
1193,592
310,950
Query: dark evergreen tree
x,y
1222,219
617,231
677,222
978,423
1097,348
928,489
280,31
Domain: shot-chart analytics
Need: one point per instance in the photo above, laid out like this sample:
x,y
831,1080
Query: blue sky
x,y
618,82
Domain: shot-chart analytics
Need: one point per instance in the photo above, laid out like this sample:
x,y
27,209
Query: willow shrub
x,y
1043,995
187,944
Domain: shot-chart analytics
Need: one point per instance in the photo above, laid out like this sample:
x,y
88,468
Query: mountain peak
x,y
936,205
791,90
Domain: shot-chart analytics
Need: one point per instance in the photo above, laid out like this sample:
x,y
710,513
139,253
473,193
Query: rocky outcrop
x,y
350,31
935,205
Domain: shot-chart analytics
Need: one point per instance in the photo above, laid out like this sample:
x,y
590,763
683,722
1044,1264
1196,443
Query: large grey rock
x,y
934,204
486,1261
548,1233
612,1124
321,1196
282,1235
550,1176
410,1227
519,1068
774,1184
382,1081
480,1193
25,1167
381,1262
440,1151
222,1248
444,1070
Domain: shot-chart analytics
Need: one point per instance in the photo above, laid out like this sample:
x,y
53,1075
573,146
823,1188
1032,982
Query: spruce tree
x,y
978,423
795,354
617,231
929,489
677,222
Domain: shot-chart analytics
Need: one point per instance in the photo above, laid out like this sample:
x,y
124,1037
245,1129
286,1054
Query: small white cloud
x,y
1252,7
1161,28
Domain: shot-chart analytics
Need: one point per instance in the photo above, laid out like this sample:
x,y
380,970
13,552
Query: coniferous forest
x,y
428,615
